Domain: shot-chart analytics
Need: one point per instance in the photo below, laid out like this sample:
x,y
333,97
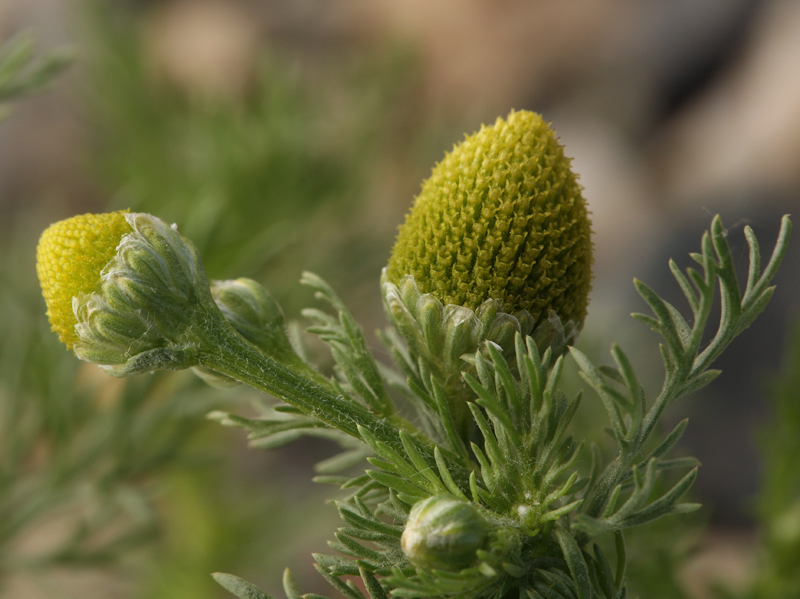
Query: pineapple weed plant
x,y
475,485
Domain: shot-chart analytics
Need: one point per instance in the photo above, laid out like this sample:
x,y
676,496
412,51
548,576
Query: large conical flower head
x,y
501,217
69,259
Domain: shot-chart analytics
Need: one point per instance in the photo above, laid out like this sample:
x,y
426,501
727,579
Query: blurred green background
x,y
285,136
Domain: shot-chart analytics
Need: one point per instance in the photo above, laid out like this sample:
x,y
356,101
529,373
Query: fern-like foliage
x,y
515,461
686,365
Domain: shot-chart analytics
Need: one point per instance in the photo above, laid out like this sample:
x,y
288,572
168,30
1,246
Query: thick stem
x,y
223,350
219,347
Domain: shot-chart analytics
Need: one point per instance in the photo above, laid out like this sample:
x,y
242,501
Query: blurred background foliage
x,y
284,136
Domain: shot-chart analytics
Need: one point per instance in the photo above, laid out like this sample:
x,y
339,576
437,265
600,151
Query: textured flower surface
x,y
69,260
501,217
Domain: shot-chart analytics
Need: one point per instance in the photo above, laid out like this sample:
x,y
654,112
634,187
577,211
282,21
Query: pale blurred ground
x,y
672,111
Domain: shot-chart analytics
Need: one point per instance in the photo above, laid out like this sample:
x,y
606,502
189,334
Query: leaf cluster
x,y
686,363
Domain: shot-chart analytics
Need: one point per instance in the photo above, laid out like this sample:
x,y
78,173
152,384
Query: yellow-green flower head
x,y
501,217
69,259
126,291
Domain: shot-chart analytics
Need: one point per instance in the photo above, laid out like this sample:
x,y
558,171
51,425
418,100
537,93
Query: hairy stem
x,y
223,350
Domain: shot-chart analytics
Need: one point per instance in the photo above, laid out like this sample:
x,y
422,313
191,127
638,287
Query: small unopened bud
x,y
256,316
444,533
254,313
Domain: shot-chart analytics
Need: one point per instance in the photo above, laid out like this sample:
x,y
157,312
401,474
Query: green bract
x,y
501,217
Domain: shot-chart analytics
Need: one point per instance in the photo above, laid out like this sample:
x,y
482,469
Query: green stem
x,y
223,350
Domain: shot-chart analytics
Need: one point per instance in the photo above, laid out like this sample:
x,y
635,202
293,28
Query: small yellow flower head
x,y
126,291
501,217
69,259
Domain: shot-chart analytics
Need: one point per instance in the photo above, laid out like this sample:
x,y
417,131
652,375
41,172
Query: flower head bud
x,y
501,218
444,533
255,315
122,290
